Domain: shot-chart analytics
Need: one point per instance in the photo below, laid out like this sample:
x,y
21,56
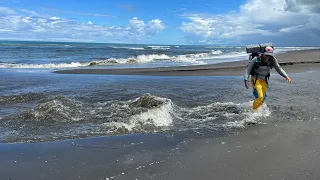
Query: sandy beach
x,y
275,151
280,150
295,61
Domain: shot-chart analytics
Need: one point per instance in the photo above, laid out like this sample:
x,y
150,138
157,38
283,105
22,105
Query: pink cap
x,y
268,51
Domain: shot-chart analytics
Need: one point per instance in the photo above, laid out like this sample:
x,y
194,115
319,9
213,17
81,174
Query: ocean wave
x,y
44,66
188,58
159,47
52,109
63,117
222,114
137,48
21,98
192,59
125,47
250,117
232,55
157,114
147,113
216,52
223,47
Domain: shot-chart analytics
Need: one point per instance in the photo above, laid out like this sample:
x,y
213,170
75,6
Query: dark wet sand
x,y
276,151
92,158
296,61
288,150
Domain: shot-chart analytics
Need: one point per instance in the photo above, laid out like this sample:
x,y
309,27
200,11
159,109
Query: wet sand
x,y
288,150
296,61
276,151
84,159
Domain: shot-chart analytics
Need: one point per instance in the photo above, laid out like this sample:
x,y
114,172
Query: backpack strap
x,y
258,62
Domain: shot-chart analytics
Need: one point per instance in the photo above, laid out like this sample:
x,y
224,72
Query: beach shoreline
x,y
280,150
293,61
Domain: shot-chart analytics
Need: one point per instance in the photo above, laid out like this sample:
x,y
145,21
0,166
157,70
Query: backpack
x,y
255,50
252,56
260,62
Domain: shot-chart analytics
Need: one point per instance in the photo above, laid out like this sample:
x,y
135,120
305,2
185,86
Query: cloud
x,y
4,11
292,28
155,26
310,6
138,29
256,20
17,26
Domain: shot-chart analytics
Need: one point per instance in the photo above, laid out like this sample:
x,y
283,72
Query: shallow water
x,y
38,105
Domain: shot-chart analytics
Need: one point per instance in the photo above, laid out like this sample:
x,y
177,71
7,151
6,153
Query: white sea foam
x,y
43,66
216,52
159,116
238,115
149,58
137,48
127,47
250,116
160,47
188,58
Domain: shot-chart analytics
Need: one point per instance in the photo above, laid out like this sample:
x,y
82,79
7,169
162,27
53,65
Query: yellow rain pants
x,y
260,87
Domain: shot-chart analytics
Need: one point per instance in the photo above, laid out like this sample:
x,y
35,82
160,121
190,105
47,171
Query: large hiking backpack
x,y
257,49
260,62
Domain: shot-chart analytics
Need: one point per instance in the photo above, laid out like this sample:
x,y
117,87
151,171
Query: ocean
x,y
39,105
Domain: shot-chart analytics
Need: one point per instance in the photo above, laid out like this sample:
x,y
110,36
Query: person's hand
x,y
246,83
289,79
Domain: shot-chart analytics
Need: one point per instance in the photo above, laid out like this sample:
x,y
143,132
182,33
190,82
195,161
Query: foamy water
x,y
44,66
147,113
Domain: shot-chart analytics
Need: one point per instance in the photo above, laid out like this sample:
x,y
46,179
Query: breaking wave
x,y
192,59
124,47
188,58
43,66
59,117
21,98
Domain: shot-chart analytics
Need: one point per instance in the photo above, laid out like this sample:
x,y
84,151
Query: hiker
x,y
259,69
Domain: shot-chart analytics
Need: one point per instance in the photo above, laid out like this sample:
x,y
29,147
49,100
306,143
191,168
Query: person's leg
x,y
264,89
259,90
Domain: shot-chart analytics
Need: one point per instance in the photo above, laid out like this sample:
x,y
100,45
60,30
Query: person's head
x,y
268,52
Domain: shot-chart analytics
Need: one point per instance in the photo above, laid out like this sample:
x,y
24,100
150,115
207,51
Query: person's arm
x,y
276,65
248,71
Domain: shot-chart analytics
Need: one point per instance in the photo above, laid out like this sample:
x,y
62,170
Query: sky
x,y
190,22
